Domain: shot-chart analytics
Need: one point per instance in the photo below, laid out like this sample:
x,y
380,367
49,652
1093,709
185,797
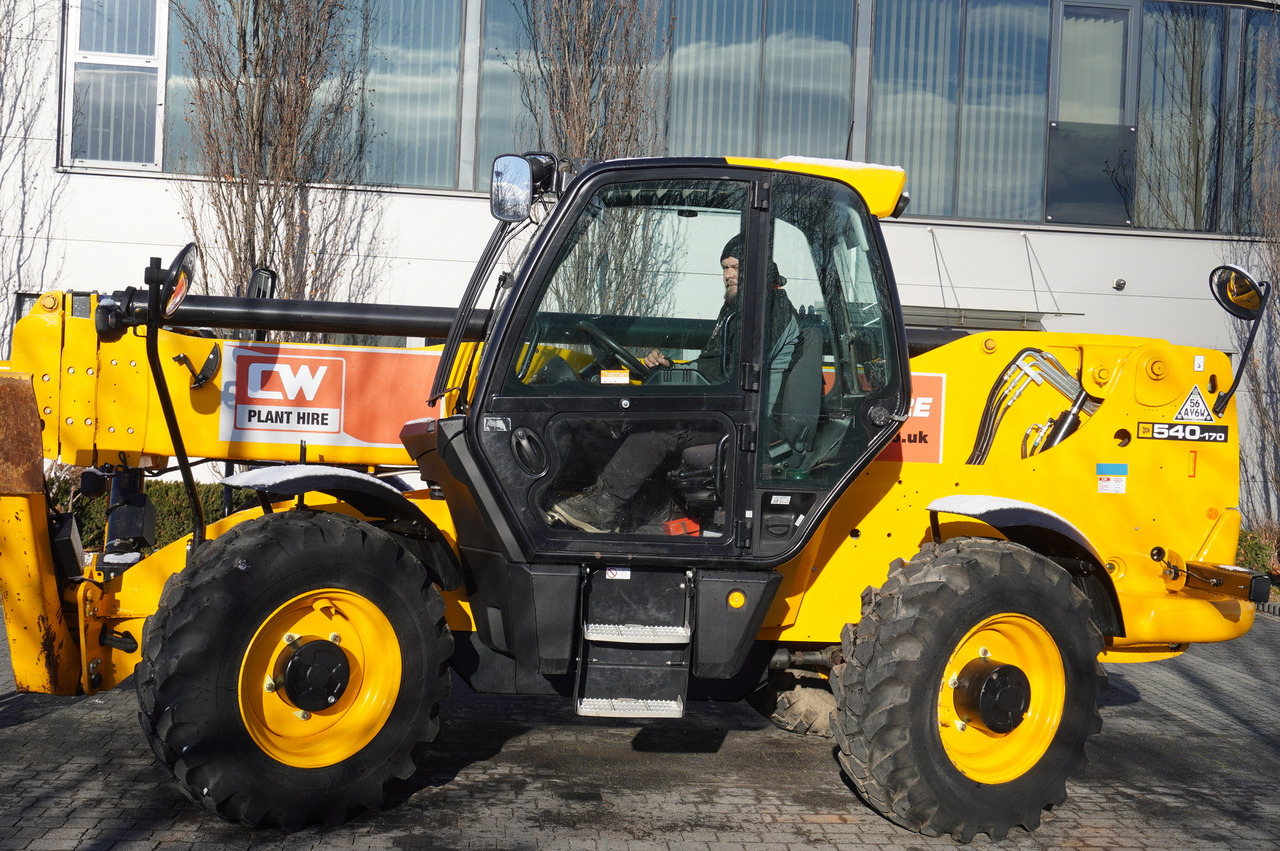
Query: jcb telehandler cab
x,y
674,445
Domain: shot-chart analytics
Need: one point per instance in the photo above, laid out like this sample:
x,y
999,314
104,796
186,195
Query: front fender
x,y
372,497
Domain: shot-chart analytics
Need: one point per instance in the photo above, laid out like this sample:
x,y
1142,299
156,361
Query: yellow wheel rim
x,y
328,736
979,753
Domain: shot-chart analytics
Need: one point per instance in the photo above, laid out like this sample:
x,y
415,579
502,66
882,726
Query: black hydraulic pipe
x,y
154,281
334,317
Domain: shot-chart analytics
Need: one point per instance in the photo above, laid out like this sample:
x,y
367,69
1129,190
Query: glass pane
x,y
1178,110
715,78
644,300
1090,174
1092,65
500,106
913,96
118,26
1006,101
642,271
113,115
1259,149
844,351
412,92
808,61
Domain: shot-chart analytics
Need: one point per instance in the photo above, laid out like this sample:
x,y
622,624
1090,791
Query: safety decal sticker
x,y
1112,478
1179,431
1194,409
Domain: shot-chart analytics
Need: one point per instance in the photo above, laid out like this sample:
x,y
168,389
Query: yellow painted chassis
x,y
86,403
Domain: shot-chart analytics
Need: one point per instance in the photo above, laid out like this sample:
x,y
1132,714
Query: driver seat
x,y
790,432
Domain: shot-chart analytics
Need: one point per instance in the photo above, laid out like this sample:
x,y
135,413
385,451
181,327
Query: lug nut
x,y
289,638
335,638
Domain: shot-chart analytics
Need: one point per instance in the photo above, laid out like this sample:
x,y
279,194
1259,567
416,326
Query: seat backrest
x,y
795,414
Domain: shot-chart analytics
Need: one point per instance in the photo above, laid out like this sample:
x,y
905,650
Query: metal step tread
x,y
630,707
631,633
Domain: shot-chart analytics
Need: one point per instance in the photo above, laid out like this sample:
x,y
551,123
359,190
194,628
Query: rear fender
x,y
1047,533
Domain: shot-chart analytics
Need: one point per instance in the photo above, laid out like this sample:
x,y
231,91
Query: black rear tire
x,y
247,743
911,736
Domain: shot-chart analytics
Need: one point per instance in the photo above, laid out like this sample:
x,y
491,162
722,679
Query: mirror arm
x,y
1220,404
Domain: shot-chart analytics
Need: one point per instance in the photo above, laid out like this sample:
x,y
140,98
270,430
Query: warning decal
x,y
1194,409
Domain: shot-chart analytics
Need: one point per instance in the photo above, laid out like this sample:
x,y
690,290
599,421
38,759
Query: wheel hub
x,y
316,675
996,696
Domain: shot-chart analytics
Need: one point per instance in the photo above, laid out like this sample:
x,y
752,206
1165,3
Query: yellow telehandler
x,y
676,443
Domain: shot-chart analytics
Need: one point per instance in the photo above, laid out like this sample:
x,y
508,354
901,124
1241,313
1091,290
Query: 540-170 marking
x,y
1183,431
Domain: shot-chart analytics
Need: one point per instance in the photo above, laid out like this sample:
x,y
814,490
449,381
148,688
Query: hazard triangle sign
x,y
1194,409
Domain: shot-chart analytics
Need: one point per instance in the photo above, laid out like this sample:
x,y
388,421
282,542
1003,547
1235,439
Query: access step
x,y
631,633
629,707
637,635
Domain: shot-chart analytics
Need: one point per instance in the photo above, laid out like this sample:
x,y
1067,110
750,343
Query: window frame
x,y
1133,50
74,57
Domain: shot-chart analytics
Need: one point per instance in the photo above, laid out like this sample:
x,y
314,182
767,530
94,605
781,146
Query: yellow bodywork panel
x,y
1149,468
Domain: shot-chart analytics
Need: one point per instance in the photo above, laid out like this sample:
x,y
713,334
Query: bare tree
x,y
276,117
589,76
592,84
30,190
1178,131
1260,391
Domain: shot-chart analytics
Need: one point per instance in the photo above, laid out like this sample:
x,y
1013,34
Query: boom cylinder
x,y
326,317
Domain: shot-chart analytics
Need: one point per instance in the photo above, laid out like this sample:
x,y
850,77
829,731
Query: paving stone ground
x,y
1189,757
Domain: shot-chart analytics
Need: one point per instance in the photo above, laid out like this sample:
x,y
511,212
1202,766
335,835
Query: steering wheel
x,y
531,348
612,347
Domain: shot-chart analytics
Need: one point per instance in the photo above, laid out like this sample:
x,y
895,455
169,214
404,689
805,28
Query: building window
x,y
411,88
1178,174
406,56
959,93
112,109
1258,147
1092,138
746,78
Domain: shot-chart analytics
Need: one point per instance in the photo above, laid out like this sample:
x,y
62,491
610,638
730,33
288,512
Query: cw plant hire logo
x,y
277,392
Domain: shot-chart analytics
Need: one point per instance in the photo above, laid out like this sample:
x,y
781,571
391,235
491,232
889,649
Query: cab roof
x,y
880,185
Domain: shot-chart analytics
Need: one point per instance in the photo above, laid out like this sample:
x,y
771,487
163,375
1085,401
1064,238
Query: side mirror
x,y
511,189
177,282
1237,292
262,284
1244,298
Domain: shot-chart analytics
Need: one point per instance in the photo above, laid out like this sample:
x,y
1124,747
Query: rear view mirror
x,y
1237,292
511,189
1242,297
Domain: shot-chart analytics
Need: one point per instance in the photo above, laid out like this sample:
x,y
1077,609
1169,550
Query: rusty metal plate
x,y
21,451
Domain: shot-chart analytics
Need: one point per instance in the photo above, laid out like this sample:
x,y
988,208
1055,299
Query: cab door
x,y
680,460
829,409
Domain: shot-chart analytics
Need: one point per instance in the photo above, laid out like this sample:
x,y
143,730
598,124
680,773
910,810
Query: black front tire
x,y
910,738
211,687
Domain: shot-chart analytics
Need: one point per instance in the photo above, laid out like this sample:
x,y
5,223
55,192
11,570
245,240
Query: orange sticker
x,y
920,439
